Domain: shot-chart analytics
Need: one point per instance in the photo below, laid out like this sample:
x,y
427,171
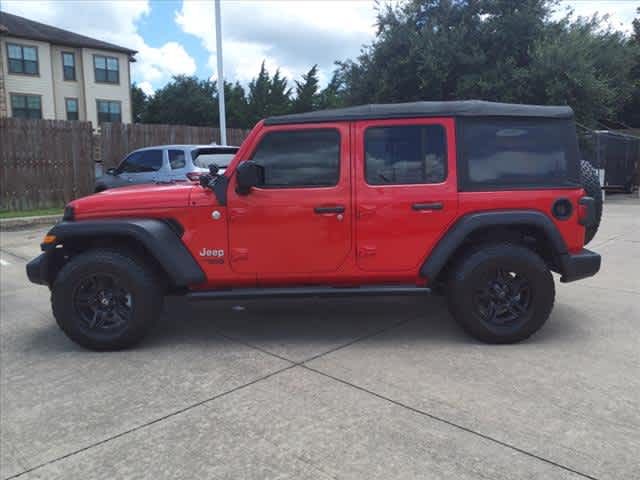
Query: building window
x,y
68,65
108,111
26,106
106,69
72,108
22,59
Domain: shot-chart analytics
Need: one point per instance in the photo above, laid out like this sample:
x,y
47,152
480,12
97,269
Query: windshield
x,y
204,157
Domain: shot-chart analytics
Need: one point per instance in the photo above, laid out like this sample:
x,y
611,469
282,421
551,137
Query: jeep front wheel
x,y
105,300
501,293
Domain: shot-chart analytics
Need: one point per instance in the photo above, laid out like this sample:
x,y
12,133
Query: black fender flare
x,y
469,223
158,237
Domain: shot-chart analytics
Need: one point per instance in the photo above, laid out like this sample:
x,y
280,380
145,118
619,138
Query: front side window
x,y
22,59
414,154
301,158
176,159
68,65
109,111
71,105
143,161
106,69
517,153
26,106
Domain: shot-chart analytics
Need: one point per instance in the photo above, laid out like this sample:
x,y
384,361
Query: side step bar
x,y
293,292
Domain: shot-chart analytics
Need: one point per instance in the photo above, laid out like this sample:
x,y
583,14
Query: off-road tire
x,y
474,271
129,274
591,184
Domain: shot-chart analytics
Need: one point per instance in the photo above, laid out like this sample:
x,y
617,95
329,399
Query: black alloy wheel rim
x,y
504,299
102,304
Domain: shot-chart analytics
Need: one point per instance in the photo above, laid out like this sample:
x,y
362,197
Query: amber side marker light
x,y
49,239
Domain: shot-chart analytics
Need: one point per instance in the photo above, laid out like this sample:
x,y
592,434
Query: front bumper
x,y
580,265
37,269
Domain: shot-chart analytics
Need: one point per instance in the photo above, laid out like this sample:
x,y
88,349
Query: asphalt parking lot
x,y
383,388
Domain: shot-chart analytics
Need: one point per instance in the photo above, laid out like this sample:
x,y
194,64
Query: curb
x,y
19,223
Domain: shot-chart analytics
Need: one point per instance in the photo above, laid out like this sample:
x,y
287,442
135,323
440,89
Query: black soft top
x,y
462,108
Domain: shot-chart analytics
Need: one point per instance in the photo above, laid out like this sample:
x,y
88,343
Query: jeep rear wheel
x,y
105,300
501,293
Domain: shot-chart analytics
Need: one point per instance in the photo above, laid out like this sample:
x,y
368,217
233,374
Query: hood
x,y
139,197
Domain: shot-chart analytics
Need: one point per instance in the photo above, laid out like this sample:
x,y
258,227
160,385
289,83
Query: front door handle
x,y
427,206
336,209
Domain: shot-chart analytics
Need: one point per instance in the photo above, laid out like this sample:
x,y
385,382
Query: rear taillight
x,y
194,176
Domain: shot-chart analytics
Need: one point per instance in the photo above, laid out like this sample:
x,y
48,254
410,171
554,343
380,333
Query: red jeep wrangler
x,y
480,200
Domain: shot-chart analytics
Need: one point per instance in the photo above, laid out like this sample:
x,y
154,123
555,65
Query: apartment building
x,y
50,73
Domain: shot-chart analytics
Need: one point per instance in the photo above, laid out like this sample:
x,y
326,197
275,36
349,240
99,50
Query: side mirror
x,y
205,181
249,175
214,169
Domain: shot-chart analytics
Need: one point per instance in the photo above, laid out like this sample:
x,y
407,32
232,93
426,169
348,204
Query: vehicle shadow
x,y
296,321
312,323
332,321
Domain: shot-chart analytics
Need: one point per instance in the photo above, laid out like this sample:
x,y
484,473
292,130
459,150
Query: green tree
x,y
185,101
236,106
631,112
267,96
258,96
332,96
307,98
502,50
279,97
139,102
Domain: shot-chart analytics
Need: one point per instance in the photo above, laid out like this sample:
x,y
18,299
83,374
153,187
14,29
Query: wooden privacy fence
x,y
47,163
44,163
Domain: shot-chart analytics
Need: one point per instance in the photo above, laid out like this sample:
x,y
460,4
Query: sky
x,y
176,37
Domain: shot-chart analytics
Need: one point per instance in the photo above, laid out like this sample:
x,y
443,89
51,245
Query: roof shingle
x,y
20,27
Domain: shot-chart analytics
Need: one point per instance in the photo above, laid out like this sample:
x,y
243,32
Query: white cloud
x,y
170,59
621,12
146,87
290,35
294,35
113,22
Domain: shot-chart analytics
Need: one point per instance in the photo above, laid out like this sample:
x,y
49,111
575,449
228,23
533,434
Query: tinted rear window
x,y
205,156
221,159
517,153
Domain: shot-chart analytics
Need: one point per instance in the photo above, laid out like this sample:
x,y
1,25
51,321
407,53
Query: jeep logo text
x,y
205,252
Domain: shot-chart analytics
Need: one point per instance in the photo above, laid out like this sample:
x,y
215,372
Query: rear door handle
x,y
336,209
427,206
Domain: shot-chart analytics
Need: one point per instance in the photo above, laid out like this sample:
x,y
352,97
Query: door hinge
x,y
239,254
366,251
366,210
236,213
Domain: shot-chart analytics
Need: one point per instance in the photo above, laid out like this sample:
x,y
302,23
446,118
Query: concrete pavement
x,y
345,388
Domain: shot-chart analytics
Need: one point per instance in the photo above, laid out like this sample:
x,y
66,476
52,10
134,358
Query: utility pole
x,y
223,118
